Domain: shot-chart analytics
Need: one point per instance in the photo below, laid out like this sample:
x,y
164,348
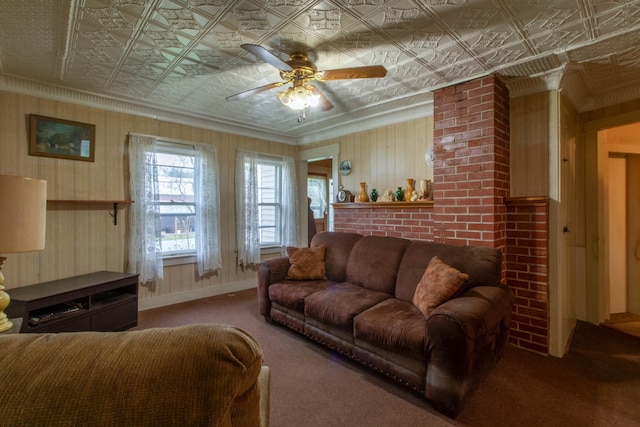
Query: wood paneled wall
x,y
529,145
385,157
82,239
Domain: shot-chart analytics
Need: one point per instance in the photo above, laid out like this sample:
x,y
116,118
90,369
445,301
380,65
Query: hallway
x,y
627,323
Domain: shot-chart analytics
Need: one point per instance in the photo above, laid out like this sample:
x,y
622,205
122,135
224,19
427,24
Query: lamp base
x,y
5,324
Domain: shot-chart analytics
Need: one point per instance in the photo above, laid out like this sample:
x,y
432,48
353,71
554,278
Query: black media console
x,y
102,301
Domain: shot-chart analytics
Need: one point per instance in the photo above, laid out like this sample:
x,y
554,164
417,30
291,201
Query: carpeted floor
x,y
596,384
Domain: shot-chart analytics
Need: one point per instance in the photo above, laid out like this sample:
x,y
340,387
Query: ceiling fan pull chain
x,y
303,116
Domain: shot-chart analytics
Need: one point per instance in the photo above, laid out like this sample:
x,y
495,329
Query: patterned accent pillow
x,y
306,263
440,282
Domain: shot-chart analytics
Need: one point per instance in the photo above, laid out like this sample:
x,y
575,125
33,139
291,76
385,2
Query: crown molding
x,y
58,93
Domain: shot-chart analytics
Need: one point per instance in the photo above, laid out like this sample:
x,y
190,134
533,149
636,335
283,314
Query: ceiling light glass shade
x,y
299,97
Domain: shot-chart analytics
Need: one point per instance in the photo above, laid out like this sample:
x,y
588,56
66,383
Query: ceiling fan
x,y
299,71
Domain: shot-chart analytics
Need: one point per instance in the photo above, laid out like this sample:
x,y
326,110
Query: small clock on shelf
x,y
345,196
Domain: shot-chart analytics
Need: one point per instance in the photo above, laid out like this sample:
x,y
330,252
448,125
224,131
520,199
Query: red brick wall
x,y
410,222
528,272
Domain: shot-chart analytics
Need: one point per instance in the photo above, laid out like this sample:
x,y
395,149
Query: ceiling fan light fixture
x,y
299,97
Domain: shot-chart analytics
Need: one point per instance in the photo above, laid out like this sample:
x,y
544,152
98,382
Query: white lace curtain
x,y
290,211
247,209
207,210
145,255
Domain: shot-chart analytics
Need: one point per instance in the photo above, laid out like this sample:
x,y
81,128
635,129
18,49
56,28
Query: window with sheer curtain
x,y
317,191
176,214
266,205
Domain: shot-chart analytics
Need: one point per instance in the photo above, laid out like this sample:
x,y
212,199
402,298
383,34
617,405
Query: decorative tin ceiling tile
x,y
320,19
110,18
185,55
399,19
179,19
474,18
255,19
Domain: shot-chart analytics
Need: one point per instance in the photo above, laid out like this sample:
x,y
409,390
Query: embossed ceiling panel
x,y
180,59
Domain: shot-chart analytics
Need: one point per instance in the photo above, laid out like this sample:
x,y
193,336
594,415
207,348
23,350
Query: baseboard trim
x,y
175,298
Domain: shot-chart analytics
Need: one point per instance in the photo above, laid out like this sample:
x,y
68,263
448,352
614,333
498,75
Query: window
x,y
317,190
176,214
269,202
176,200
266,205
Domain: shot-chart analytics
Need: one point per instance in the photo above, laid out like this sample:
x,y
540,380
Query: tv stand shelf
x,y
102,301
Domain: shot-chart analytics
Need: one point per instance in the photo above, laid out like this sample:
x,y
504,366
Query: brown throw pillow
x,y
440,282
306,263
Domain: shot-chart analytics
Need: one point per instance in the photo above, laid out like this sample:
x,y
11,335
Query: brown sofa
x,y
196,375
364,309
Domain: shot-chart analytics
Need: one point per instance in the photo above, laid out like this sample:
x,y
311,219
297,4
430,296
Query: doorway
x,y
624,243
622,247
319,187
326,157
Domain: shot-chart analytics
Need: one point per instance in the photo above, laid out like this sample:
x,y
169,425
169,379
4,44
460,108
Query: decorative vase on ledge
x,y
408,193
363,196
400,194
374,195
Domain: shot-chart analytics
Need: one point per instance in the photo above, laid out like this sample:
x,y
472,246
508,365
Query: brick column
x,y
528,271
471,169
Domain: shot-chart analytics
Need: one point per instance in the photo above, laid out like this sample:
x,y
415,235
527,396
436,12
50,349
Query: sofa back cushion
x,y
337,249
482,264
374,262
188,375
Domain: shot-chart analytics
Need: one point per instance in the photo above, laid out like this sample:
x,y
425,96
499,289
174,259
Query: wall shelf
x,y
113,203
383,205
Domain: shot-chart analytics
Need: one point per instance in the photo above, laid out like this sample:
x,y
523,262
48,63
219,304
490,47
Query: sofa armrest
x,y
188,375
270,271
465,339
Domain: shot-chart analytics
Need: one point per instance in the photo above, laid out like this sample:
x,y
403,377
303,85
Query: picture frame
x,y
63,139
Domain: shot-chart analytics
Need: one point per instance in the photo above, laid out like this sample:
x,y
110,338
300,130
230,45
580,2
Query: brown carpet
x,y
596,384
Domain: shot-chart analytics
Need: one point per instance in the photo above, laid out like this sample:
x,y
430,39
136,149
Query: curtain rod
x,y
269,156
171,140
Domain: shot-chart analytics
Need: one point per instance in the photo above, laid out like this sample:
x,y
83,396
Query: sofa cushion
x,y
482,264
439,283
339,303
393,325
338,247
374,262
291,294
306,263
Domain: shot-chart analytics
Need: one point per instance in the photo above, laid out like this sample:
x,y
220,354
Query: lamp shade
x,y
23,214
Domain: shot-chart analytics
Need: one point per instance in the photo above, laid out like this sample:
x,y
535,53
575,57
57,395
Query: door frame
x,y
595,294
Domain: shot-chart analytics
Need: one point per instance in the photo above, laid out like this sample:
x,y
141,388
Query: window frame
x,y
269,247
186,150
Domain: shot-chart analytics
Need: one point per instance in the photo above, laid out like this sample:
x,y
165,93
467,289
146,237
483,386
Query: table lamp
x,y
23,214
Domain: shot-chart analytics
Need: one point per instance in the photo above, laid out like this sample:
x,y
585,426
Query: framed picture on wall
x,y
63,139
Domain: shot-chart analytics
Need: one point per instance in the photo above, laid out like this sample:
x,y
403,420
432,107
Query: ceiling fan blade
x,y
372,71
253,91
323,102
266,56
